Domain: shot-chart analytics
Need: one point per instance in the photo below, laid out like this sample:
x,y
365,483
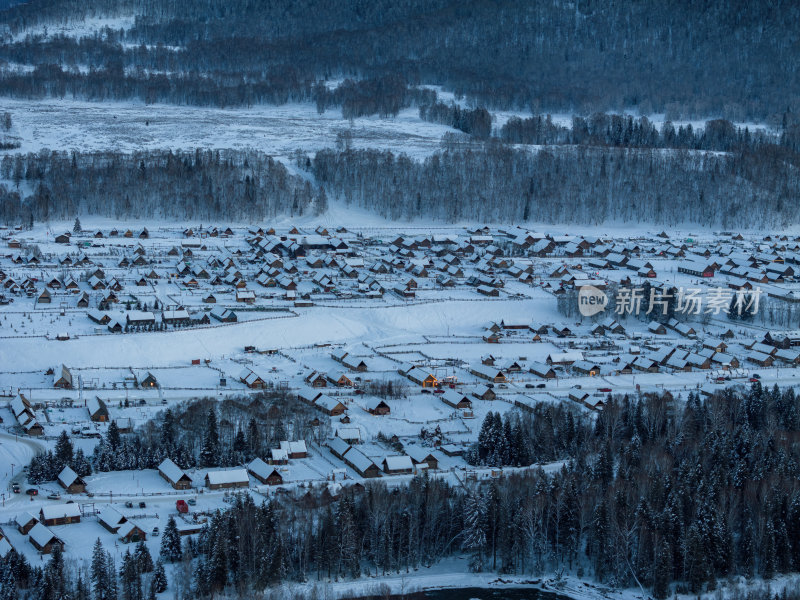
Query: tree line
x,y
203,184
756,185
206,433
492,182
625,131
203,433
384,96
476,122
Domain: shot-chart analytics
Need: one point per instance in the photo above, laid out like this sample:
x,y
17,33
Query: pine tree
x,y
348,555
54,575
112,591
209,454
769,560
494,520
474,537
144,562
168,431
171,541
747,549
508,437
599,538
63,451
8,585
662,573
159,581
81,464
326,546
484,438
239,442
76,228
217,572
279,431
113,438
604,469
253,437
99,572
521,452
81,589
733,309
200,579
128,575
697,568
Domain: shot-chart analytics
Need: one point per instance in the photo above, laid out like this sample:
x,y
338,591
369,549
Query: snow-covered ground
x,y
443,329
276,130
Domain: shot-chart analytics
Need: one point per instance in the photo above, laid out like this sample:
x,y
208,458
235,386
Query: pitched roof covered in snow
x,y
41,535
60,511
228,476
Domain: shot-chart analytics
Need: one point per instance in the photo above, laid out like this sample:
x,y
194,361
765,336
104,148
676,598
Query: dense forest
x,y
493,182
732,59
186,185
625,131
662,494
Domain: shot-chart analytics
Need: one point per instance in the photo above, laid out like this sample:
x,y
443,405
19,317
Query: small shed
x,y
62,378
264,472
98,411
25,522
110,518
376,406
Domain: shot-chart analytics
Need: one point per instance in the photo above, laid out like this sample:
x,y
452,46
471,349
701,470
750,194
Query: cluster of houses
x,y
711,354
37,527
297,262
496,333
25,415
111,270
344,446
220,479
300,262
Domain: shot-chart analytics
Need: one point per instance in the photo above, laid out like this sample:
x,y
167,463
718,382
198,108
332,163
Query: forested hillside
x,y
719,63
731,59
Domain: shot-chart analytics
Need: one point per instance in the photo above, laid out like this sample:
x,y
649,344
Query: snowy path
x,y
17,452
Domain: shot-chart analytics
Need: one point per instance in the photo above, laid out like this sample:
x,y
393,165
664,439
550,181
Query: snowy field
x,y
276,130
